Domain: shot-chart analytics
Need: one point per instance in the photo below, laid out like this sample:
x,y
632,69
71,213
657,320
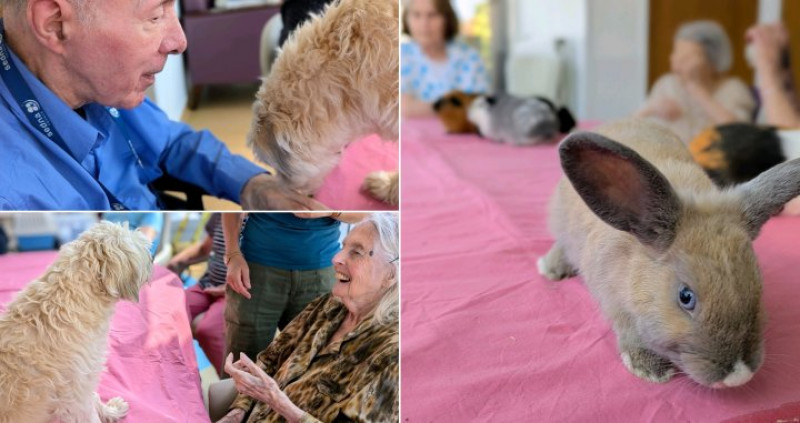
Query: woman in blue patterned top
x,y
434,62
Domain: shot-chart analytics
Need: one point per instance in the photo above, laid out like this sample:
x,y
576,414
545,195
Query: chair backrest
x,y
164,252
269,42
536,74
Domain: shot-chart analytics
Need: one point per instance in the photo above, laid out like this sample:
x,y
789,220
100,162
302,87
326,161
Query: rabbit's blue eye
x,y
687,298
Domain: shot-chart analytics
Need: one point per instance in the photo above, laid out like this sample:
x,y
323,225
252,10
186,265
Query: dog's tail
x,y
111,412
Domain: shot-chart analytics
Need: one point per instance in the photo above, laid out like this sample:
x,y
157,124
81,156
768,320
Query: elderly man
x,y
77,131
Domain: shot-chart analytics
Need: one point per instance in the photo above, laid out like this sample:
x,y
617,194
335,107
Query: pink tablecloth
x,y
151,362
341,189
485,338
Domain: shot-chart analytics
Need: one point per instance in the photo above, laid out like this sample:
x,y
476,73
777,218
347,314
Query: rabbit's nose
x,y
740,375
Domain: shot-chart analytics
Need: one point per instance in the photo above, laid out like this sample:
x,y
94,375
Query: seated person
x,y
208,294
434,62
338,359
775,81
697,94
774,77
78,133
150,224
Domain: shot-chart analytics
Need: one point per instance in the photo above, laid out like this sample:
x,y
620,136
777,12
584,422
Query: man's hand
x,y
264,192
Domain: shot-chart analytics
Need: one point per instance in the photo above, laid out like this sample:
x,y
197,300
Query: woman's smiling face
x,y
362,274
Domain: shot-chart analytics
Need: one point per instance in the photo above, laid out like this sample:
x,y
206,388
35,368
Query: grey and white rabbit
x,y
519,121
667,254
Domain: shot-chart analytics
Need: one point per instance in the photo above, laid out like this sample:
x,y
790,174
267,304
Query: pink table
x,y
485,338
151,362
341,189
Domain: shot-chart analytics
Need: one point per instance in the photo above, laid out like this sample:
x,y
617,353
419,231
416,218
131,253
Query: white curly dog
x,y
53,335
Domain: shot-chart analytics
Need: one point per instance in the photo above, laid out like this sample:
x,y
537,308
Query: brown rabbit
x,y
666,253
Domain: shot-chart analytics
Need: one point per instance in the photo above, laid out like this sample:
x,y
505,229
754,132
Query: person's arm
x,y
716,111
238,276
773,73
199,158
659,102
345,217
150,224
281,347
413,107
190,255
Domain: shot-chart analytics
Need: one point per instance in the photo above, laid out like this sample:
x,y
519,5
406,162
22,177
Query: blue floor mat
x,y
202,360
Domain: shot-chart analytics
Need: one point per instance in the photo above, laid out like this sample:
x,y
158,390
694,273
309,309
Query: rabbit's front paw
x,y
554,265
647,365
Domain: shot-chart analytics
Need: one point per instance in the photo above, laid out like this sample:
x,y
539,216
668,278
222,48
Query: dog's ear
x,y
124,260
565,120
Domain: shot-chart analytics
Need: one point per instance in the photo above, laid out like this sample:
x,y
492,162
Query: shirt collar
x,y
79,135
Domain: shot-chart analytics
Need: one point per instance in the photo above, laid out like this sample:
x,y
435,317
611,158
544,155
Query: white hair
x,y
387,226
714,40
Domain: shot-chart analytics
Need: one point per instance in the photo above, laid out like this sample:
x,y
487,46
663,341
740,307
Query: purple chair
x,y
223,44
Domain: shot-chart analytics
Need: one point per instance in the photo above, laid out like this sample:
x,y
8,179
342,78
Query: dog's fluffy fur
x,y
53,334
335,80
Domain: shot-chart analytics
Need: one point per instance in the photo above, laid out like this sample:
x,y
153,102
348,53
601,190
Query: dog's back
x,y
48,348
53,336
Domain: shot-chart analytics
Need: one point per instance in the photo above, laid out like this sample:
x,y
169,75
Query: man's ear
x,y
51,22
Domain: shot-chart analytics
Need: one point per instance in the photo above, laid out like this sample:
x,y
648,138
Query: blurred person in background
x,y
434,62
697,94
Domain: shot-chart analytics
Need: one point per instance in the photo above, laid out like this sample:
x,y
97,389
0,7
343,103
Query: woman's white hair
x,y
387,226
714,40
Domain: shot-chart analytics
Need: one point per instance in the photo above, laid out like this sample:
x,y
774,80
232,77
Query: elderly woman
x,y
697,94
434,62
338,359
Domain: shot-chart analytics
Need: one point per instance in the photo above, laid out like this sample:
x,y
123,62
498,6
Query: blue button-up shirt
x,y
37,174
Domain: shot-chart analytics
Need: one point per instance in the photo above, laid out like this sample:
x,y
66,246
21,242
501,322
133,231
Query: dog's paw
x,y
383,186
114,410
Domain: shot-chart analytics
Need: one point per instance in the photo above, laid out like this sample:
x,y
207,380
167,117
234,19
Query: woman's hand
x,y
238,277
234,416
252,381
664,108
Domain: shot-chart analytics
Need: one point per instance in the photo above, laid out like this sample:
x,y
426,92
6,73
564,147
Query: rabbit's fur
x,y
639,233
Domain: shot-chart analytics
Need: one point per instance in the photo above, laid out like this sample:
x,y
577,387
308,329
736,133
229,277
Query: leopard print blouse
x,y
355,379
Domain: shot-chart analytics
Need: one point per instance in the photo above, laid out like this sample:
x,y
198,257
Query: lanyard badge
x,y
33,110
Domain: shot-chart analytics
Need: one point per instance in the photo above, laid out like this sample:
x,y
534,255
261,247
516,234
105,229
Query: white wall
x,y
606,49
535,25
770,10
617,59
610,41
169,90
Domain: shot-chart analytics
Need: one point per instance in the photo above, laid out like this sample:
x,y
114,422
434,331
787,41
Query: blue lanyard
x,y
33,109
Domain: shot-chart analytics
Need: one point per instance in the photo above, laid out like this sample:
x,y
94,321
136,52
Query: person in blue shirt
x,y
76,131
150,224
434,62
277,264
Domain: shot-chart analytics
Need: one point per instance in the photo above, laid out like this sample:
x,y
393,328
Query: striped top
x,y
217,270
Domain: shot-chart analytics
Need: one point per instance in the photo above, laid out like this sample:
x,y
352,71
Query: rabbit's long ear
x,y
622,188
765,195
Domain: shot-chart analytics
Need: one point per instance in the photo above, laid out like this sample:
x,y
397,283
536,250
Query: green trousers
x,y
277,296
